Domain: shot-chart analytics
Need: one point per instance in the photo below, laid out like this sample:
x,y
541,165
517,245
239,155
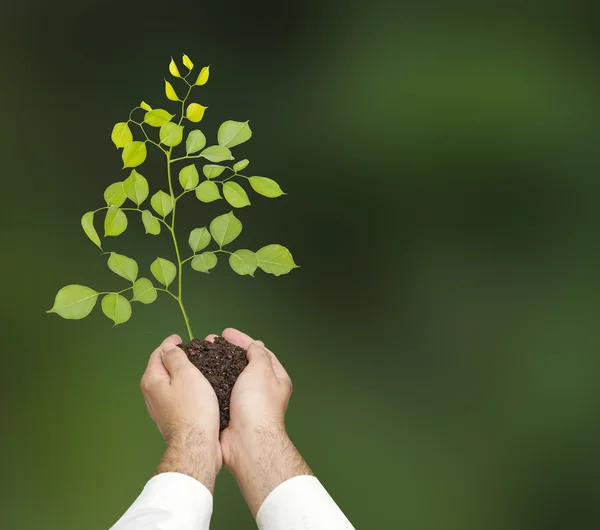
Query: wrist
x,y
193,452
260,459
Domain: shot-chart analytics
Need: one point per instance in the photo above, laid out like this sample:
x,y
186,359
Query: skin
x,y
255,446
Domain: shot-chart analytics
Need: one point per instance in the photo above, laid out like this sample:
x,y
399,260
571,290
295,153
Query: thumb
x,y
174,359
258,355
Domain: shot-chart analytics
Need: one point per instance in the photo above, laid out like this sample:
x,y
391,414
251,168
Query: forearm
x,y
262,460
194,453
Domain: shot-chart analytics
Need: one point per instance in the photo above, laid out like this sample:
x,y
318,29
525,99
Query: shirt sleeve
x,y
301,503
169,501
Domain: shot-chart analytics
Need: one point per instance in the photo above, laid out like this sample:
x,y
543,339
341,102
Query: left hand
x,y
184,407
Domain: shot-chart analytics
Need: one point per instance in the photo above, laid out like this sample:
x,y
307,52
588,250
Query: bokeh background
x,y
441,161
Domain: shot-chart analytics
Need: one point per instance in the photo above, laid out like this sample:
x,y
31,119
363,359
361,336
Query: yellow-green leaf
x,y
203,76
123,266
134,154
144,291
135,187
235,195
157,117
241,165
225,228
275,259
114,195
162,203
170,91
188,177
243,262
121,134
173,68
204,262
187,62
212,171
267,187
232,133
208,191
217,153
199,239
74,302
151,223
117,308
115,222
87,223
164,271
195,141
195,112
145,106
171,134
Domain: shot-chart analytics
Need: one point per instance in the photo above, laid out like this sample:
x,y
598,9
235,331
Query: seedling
x,y
77,301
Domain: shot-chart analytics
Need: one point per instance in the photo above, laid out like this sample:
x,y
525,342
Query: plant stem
x,y
177,253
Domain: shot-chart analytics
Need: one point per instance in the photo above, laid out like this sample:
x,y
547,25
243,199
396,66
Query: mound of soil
x,y
221,363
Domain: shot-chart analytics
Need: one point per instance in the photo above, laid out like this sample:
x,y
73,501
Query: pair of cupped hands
x,y
185,408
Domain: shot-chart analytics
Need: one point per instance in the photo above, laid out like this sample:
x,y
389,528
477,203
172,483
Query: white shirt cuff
x,y
301,503
169,501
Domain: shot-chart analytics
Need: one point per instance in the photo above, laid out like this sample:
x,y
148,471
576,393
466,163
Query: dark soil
x,y
221,363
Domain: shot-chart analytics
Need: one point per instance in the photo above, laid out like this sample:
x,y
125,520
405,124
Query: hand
x,y
185,409
255,445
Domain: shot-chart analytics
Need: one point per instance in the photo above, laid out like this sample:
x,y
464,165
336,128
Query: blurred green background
x,y
441,161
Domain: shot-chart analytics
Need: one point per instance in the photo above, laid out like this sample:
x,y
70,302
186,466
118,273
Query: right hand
x,y
255,446
259,398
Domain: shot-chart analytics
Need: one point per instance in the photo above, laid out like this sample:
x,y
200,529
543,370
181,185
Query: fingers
x,y
173,358
211,337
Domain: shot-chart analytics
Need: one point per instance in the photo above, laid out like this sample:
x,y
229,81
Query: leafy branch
x,y
77,301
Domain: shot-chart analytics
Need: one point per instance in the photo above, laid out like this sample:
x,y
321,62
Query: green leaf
x,y
212,171
203,76
195,142
188,177
199,239
157,117
123,266
225,228
208,191
267,187
74,302
114,195
162,203
232,133
243,262
87,223
216,153
145,106
235,195
275,259
121,134
241,165
135,187
115,222
134,154
144,291
195,112
117,308
163,270
171,134
204,262
151,223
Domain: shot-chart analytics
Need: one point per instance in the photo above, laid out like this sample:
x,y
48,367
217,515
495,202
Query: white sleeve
x,y
301,503
169,501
